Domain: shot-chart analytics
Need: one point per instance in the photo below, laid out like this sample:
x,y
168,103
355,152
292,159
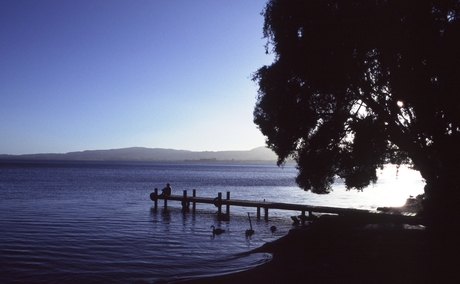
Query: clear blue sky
x,y
103,74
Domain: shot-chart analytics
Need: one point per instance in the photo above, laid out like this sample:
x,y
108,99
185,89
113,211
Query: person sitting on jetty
x,y
166,191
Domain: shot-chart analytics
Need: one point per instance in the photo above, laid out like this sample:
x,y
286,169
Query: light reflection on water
x,y
95,223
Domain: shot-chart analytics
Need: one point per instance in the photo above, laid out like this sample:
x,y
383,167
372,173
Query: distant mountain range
x,y
153,154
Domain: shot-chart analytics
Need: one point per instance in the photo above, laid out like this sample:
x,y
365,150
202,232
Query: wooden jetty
x,y
187,201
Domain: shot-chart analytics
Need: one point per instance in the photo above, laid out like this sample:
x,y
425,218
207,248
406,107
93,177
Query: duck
x,y
217,231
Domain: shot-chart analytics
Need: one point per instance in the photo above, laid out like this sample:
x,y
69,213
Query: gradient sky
x,y
103,74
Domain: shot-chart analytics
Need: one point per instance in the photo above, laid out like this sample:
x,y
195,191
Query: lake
x,y
93,222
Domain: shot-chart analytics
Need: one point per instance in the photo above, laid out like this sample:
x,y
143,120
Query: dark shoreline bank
x,y
336,250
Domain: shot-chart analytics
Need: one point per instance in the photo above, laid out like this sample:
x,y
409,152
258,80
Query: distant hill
x,y
153,154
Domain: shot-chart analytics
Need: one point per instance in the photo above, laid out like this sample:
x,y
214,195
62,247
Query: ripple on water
x,y
225,265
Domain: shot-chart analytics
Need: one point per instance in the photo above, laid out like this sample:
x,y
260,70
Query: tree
x,y
357,84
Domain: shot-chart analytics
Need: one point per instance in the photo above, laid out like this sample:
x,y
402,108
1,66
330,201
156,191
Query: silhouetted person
x,y
167,190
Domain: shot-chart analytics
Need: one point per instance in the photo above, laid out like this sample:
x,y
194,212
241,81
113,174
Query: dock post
x,y
302,217
228,205
156,199
219,204
194,203
266,213
258,213
184,202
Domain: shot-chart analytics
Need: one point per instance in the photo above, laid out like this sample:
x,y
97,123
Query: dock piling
x,y
228,205
194,203
185,203
219,204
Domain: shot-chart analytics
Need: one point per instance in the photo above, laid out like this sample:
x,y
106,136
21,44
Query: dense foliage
x,y
357,84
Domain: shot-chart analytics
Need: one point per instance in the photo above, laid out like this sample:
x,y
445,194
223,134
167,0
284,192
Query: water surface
x,y
93,222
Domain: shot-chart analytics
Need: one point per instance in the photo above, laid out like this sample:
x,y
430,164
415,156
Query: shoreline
x,y
338,250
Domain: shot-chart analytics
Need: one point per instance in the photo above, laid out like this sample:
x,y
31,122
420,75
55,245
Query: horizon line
x,y
132,147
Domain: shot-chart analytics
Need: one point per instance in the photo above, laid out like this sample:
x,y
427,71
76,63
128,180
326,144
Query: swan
x,y
250,231
217,231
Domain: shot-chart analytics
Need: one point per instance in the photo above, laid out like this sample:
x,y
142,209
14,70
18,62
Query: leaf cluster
x,y
357,84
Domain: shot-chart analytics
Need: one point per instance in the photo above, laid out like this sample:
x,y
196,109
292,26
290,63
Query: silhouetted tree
x,y
356,84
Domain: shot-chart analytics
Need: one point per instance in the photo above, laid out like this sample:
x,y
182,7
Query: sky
x,y
107,74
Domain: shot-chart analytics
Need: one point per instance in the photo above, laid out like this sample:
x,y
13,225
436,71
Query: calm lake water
x,y
93,222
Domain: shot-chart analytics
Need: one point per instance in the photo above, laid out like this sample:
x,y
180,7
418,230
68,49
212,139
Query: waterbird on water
x,y
217,231
250,231
273,229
